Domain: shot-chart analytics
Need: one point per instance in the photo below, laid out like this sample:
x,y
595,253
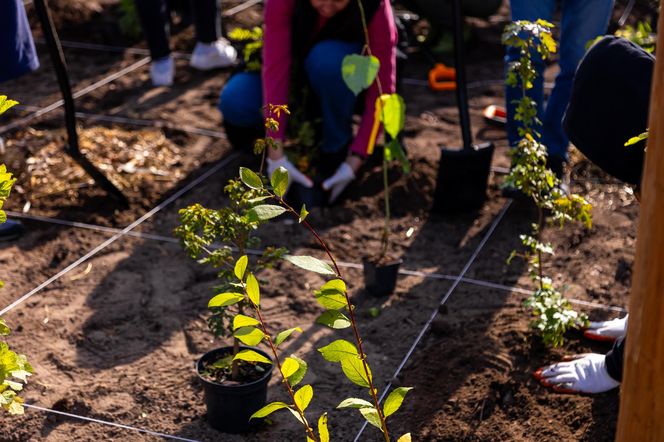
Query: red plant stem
x,y
273,349
358,339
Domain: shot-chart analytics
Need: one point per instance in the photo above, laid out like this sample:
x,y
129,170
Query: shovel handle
x,y
441,78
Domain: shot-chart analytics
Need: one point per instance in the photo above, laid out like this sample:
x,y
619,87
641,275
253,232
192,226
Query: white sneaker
x,y
219,54
162,71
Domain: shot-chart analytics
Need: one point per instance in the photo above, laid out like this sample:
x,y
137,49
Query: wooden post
x,y
642,397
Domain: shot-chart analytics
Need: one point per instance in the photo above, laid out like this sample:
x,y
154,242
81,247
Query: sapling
x,y
14,368
360,71
333,296
553,313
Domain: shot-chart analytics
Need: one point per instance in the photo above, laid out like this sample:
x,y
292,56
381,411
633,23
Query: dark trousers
x,y
154,16
615,358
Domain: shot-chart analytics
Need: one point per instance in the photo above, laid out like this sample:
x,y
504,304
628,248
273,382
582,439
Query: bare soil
x,y
116,338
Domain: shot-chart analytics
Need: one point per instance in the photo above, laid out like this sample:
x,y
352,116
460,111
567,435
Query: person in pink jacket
x,y
306,41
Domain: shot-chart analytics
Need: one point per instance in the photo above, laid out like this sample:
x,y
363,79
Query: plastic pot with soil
x,y
380,276
230,403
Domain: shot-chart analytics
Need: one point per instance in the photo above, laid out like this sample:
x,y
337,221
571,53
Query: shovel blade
x,y
463,176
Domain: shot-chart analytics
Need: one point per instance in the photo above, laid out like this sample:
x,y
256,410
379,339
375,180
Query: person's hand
x,y
607,331
294,175
339,181
582,374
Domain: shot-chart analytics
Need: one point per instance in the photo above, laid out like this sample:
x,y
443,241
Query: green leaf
x,y
4,330
289,367
251,356
394,150
359,71
243,321
303,213
279,181
6,104
637,139
269,409
249,335
310,263
331,299
241,267
323,432
264,212
405,438
335,284
297,377
303,396
394,400
353,402
353,368
371,415
334,319
282,336
253,290
250,179
339,350
297,415
225,299
393,114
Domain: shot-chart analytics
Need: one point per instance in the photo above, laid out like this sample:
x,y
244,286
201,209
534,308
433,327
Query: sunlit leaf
x,y
393,113
279,181
265,212
251,356
297,377
371,415
334,319
250,179
405,438
310,263
353,368
241,267
253,291
359,71
249,335
338,351
289,367
6,104
394,400
303,213
303,396
225,299
243,321
353,402
282,336
269,409
323,431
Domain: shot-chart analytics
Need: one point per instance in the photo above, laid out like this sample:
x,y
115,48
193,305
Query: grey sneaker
x,y
162,71
207,56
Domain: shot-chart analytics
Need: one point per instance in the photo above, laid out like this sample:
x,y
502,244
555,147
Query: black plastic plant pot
x,y
380,280
229,407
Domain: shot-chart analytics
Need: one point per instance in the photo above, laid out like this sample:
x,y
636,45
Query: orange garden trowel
x,y
463,173
442,78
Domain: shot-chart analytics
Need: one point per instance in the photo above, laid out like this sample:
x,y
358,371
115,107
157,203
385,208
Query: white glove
x,y
586,374
338,182
607,331
293,173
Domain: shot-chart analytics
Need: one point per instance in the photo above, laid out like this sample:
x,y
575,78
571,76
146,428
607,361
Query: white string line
x,y
110,48
406,272
84,91
241,7
122,233
112,424
470,262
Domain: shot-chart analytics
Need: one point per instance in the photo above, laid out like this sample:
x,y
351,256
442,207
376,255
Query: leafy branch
x,y
529,174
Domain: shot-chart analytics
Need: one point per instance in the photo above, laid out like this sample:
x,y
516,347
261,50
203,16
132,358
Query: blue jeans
x,y
241,99
581,22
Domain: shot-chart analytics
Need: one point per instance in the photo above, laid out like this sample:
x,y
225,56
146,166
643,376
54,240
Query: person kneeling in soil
x,y
305,42
608,106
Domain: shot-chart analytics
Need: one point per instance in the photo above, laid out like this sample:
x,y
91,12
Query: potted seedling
x,y
234,388
553,314
359,72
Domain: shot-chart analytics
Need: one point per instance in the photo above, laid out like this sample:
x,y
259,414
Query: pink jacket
x,y
277,61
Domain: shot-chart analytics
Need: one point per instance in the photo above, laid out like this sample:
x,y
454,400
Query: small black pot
x,y
229,407
380,280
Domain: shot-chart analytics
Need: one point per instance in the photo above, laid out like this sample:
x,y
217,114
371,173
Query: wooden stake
x,y
642,397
